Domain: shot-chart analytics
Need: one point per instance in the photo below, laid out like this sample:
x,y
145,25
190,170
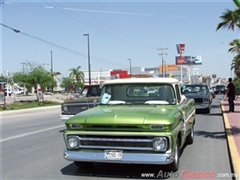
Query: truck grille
x,y
198,100
74,109
111,143
116,143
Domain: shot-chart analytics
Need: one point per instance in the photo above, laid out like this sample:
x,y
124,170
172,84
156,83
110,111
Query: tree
x,y
230,18
35,75
235,49
66,83
235,46
236,64
77,75
55,74
3,78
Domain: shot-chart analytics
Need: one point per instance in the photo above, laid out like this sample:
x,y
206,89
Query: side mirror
x,y
184,98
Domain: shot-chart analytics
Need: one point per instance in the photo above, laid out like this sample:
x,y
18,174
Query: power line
x,y
42,40
61,47
116,29
119,12
98,29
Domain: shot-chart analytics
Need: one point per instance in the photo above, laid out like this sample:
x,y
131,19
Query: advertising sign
x,y
180,60
189,60
180,48
197,60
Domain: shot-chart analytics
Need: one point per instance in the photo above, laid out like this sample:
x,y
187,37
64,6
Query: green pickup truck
x,y
138,121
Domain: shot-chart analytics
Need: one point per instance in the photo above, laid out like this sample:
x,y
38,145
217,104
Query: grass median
x,y
27,105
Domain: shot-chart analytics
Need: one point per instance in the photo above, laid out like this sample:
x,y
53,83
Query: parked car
x,y
131,127
201,95
48,92
86,99
18,92
220,89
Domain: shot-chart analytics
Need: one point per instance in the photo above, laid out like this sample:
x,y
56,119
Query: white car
x,y
18,92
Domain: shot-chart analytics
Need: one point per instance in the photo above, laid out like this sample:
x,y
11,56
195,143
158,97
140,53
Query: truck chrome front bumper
x,y
131,158
65,117
202,106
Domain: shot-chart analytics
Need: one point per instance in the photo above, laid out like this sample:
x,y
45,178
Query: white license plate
x,y
113,154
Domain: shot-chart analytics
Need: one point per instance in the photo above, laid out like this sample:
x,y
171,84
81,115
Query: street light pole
x,y
51,71
24,82
130,66
89,69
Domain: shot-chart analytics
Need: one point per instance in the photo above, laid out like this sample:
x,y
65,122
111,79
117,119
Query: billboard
x,y
189,60
180,48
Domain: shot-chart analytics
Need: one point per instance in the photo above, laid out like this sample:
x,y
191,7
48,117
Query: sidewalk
x,y
232,128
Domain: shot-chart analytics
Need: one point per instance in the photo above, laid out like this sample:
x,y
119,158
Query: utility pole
x,y
162,54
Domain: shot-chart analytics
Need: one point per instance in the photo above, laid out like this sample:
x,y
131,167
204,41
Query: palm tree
x,y
77,75
55,74
236,65
235,48
230,18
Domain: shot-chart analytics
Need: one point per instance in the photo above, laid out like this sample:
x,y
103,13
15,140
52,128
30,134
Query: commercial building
x,y
169,70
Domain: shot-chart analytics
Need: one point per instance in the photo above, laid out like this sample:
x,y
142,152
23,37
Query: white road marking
x,y
30,133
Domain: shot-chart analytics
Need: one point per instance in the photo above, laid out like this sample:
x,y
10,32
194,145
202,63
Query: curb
x,y
234,157
29,110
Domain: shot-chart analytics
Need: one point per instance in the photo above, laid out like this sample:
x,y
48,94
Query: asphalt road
x,y
32,148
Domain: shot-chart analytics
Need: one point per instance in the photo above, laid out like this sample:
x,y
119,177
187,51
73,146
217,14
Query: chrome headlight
x,y
76,126
65,108
156,127
73,142
160,144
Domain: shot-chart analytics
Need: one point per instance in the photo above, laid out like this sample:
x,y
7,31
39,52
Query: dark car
x,y
220,89
86,99
200,93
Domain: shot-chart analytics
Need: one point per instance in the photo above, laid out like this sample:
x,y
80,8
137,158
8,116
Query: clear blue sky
x,y
117,31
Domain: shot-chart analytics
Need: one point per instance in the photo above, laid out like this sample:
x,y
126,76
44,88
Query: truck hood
x,y
81,99
127,114
196,95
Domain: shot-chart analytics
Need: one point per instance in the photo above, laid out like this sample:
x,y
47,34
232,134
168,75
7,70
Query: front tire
x,y
83,164
190,137
175,164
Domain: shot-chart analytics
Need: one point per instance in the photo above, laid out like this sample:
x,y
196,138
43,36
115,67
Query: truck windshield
x,y
137,94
